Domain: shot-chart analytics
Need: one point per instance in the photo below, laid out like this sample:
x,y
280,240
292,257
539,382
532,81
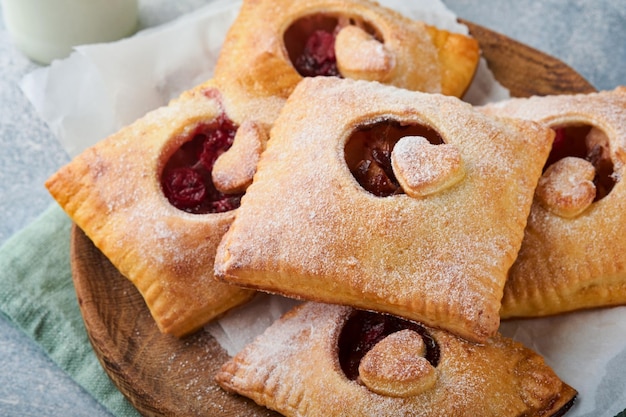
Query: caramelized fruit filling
x,y
310,43
186,179
368,154
591,144
364,329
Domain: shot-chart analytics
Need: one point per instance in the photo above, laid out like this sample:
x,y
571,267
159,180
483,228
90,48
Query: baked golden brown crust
x,y
295,368
574,251
113,192
373,43
307,229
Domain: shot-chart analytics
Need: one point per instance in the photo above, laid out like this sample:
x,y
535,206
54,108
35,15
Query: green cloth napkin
x,y
37,294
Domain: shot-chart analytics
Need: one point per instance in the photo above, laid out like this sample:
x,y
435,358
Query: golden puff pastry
x,y
158,220
273,44
439,254
321,360
574,251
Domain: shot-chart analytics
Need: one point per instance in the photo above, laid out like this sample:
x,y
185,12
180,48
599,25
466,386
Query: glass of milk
x,y
45,30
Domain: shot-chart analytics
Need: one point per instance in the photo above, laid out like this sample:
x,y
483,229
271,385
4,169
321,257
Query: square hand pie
x,y
573,255
329,360
147,199
273,44
386,199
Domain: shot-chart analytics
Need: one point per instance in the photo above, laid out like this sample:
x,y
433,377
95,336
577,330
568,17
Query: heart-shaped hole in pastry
x,y
186,177
310,42
365,329
590,143
368,154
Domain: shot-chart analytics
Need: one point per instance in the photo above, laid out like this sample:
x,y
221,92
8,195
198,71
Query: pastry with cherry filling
x,y
157,196
273,44
388,199
320,360
574,251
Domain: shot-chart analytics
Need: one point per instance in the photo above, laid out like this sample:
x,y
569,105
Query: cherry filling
x,y
318,56
310,43
364,329
186,180
368,154
578,141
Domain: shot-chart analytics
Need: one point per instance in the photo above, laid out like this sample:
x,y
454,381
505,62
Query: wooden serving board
x,y
165,376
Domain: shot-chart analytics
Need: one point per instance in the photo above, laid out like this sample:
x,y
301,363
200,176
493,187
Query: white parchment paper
x,y
101,88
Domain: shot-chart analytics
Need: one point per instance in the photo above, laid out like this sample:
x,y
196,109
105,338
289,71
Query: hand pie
x,y
274,43
145,198
320,360
326,218
574,251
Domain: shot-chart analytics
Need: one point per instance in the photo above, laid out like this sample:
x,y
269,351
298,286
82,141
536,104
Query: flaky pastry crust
x,y
307,229
112,191
294,368
573,260
379,44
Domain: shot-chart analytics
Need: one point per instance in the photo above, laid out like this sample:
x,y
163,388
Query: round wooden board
x,y
165,376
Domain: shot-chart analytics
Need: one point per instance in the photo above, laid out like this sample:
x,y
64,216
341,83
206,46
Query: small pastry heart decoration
x,y
234,169
423,169
396,366
361,56
566,188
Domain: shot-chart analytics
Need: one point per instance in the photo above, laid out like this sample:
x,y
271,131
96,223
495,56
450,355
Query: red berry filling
x,y
310,42
186,179
318,55
364,329
572,141
368,154
184,187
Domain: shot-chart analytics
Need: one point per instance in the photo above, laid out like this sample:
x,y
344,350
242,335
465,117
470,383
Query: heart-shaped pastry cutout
x,y
361,56
423,169
566,188
234,169
396,366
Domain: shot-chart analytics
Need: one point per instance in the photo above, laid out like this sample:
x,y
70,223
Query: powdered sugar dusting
x,y
293,365
166,253
440,260
575,252
423,168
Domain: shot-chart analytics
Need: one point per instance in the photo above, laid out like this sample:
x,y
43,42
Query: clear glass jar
x,y
45,30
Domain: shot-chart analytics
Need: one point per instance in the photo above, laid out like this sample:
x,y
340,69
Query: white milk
x,y
48,29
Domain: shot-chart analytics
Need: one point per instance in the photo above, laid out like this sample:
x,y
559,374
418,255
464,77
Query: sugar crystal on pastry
x,y
308,229
574,251
423,168
297,367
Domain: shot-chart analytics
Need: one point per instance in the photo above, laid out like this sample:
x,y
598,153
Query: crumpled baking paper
x,y
102,87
